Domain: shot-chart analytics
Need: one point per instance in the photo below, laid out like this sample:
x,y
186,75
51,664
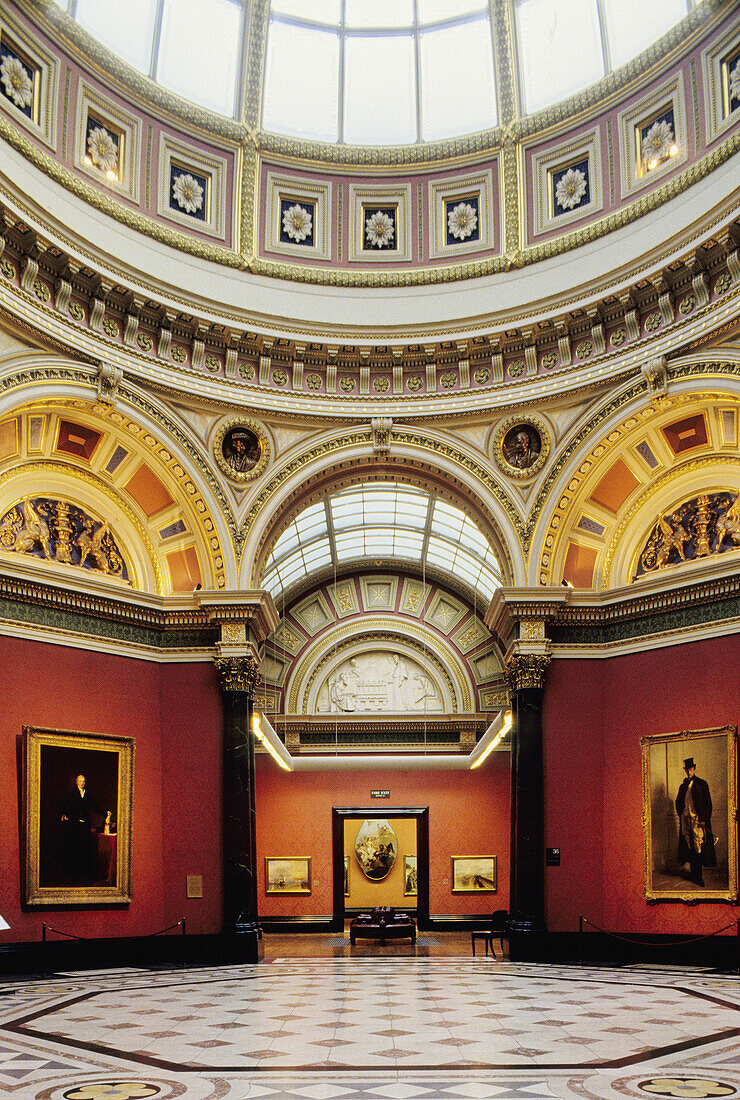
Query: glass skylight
x,y
393,72
375,72
565,45
382,520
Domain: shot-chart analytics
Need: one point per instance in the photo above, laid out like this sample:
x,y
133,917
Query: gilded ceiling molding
x,y
247,143
258,13
211,541
331,450
28,468
585,431
148,227
515,255
705,463
552,537
507,96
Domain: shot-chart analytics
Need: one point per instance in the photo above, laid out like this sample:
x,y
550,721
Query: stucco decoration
x,y
379,682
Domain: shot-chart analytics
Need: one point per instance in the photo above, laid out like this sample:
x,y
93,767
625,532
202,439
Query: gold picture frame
x,y
410,877
473,875
288,875
78,791
687,858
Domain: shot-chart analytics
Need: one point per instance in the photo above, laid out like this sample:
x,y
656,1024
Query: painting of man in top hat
x,y
689,815
695,838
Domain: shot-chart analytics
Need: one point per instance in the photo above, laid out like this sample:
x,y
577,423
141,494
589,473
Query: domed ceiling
x,y
391,72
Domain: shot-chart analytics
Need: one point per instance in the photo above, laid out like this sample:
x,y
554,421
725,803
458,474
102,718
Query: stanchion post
x,y
43,948
182,953
738,953
580,939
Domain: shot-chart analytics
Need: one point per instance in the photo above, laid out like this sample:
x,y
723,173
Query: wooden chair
x,y
495,931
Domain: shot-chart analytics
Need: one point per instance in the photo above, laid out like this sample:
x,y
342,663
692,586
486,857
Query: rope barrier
x,y
59,932
652,943
47,928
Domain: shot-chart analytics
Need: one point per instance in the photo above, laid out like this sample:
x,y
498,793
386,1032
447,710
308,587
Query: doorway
x,y
421,816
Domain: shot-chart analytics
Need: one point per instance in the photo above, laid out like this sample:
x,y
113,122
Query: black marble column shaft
x,y
239,815
525,673
239,677
527,901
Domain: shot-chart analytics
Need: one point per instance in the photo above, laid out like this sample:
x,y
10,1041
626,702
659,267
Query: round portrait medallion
x,y
521,446
242,449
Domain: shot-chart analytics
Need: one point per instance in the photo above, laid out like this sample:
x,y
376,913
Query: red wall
x,y
595,713
468,815
174,713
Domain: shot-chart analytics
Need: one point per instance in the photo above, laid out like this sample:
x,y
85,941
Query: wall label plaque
x,y
380,794
552,857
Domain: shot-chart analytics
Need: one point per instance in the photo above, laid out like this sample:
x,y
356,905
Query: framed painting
x,y
346,876
689,815
288,875
78,791
473,874
410,881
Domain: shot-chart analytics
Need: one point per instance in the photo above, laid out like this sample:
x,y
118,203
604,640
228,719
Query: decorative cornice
x,y
240,674
247,365
647,607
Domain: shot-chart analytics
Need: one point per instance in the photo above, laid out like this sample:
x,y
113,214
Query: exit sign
x,y
380,794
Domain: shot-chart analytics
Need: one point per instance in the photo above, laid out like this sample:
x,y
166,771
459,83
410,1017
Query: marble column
x,y
239,677
525,672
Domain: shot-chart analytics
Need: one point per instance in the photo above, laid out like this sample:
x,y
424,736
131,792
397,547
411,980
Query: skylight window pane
x,y
319,11
350,546
431,10
440,552
408,544
632,25
127,29
457,89
301,85
198,51
316,554
380,91
381,13
560,49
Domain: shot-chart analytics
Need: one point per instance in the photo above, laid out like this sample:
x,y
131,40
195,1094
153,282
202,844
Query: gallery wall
x,y
173,712
595,712
468,815
594,716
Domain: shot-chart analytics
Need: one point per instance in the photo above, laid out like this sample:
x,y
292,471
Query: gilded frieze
x,y
58,531
704,525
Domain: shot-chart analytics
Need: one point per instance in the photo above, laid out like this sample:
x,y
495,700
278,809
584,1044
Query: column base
x,y
241,945
527,939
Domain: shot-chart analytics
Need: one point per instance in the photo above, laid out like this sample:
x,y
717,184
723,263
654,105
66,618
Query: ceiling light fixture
x,y
491,739
493,736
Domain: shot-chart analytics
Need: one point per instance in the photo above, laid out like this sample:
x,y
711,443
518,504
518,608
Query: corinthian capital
x,y
526,670
239,673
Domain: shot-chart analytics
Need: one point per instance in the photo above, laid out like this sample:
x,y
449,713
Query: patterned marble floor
x,y
382,1028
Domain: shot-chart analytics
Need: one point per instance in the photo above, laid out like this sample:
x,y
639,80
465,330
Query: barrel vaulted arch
x,y
425,458
119,463
645,452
